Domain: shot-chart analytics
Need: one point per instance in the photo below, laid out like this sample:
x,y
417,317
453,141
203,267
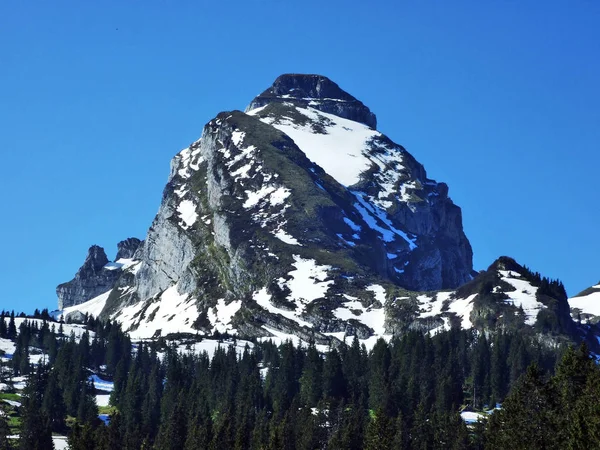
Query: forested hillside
x,y
408,393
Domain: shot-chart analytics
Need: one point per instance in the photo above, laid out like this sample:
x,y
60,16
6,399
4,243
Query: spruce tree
x,y
529,418
4,433
35,432
380,432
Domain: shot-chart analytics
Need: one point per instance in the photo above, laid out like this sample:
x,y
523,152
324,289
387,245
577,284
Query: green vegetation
x,y
12,397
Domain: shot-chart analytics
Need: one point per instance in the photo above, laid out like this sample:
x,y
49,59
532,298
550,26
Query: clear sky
x,y
500,99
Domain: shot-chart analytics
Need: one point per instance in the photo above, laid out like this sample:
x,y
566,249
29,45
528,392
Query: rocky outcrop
x,y
126,249
91,280
318,92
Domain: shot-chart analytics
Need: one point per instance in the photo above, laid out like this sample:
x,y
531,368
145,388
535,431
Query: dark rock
x,y
91,280
127,248
318,92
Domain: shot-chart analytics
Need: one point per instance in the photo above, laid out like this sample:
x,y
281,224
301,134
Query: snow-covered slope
x,y
585,306
92,307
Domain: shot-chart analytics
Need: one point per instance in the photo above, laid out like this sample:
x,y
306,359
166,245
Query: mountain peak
x,y
127,248
506,263
318,92
96,259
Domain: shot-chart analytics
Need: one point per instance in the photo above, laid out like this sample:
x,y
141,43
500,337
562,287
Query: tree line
x,y
403,394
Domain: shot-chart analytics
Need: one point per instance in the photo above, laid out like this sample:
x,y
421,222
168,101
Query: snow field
x,y
589,304
92,307
523,296
173,313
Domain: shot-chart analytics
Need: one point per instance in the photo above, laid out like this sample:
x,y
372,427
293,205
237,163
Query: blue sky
x,y
500,100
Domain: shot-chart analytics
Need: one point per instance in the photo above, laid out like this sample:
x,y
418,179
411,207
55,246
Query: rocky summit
x,y
297,218
97,275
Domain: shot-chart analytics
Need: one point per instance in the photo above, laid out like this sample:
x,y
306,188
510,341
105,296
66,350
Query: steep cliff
x,y
296,217
97,275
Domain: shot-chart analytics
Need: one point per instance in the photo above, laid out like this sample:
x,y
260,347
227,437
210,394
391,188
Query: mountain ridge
x,y
288,220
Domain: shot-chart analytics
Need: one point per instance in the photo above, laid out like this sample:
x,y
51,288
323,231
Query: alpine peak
x,y
318,92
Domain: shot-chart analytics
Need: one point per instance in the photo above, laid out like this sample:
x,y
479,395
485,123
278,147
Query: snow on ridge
x,y
185,162
432,307
276,196
308,283
122,263
336,139
463,307
343,140
237,137
372,317
523,296
187,213
379,292
588,304
112,266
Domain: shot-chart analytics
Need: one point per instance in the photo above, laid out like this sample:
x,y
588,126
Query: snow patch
x,y
379,221
220,316
263,298
285,237
187,214
171,313
308,280
471,417
524,295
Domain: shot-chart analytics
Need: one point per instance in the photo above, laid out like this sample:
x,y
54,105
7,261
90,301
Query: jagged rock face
x,y
277,219
91,280
299,219
390,189
126,249
318,92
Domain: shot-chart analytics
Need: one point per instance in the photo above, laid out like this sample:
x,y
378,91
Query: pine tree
x,y
12,328
35,432
379,386
4,433
334,383
528,418
53,405
421,432
82,437
380,432
311,381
